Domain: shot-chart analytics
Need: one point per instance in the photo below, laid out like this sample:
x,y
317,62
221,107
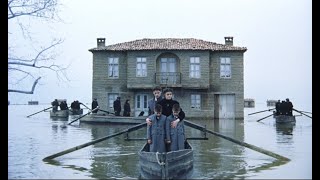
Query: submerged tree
x,y
23,65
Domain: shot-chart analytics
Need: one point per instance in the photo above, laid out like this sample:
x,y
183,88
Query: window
x,y
114,67
112,97
194,67
225,67
141,67
195,101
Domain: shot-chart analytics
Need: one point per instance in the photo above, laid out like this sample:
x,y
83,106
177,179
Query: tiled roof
x,y
169,44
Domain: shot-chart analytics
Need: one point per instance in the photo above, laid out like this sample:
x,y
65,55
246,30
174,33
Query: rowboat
x,y
60,113
168,165
75,112
284,118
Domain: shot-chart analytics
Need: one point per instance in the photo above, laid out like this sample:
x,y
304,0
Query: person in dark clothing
x,y
167,104
63,105
126,108
289,106
282,108
156,98
94,105
55,105
75,107
117,106
278,107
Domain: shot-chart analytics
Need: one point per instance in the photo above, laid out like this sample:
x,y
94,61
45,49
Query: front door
x,y
226,106
141,104
168,70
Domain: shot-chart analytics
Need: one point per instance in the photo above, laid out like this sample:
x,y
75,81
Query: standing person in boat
x,y
94,105
55,105
63,105
77,105
126,108
278,107
156,91
117,106
289,106
156,133
167,104
175,136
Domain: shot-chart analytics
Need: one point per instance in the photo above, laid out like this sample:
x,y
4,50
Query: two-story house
x,y
207,77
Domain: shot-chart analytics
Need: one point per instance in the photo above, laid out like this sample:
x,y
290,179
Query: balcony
x,y
170,79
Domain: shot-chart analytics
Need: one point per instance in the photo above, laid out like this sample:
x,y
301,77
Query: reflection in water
x,y
285,128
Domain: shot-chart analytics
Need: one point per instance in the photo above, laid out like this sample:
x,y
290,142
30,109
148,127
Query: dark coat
x,y
167,108
127,110
94,104
157,133
117,105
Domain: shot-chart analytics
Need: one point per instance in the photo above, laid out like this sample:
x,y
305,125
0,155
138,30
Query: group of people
x,y
117,107
284,107
75,105
165,131
55,104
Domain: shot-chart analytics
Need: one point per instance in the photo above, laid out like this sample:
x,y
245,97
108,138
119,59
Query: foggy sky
x,y
277,34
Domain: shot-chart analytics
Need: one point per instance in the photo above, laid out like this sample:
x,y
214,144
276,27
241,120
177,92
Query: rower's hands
x,y
148,120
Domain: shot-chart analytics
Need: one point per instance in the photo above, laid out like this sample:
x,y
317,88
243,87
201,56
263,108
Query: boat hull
x,y
284,119
76,112
60,113
170,165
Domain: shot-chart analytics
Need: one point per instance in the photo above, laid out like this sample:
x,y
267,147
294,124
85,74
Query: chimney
x,y
101,42
228,40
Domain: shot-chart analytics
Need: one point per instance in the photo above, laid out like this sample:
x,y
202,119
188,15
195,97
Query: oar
x,y
307,112
95,141
83,115
261,111
85,106
264,117
38,112
106,111
301,113
250,146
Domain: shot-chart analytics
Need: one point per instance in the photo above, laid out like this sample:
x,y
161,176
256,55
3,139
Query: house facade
x,y
207,78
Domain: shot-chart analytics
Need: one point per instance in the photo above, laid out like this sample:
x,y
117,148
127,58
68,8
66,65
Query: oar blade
x,y
38,112
264,117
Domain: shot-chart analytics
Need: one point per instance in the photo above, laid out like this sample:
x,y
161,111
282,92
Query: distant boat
x,y
284,118
60,113
75,111
168,165
33,102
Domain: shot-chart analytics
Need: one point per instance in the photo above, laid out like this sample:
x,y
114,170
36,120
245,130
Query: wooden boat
x,y
102,118
284,118
169,165
76,112
60,113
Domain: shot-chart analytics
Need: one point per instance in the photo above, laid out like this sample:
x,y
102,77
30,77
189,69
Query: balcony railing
x,y
168,78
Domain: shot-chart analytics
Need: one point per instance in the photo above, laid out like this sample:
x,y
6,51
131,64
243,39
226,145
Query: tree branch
x,y
26,92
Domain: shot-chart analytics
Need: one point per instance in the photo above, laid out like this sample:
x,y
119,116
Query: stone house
x,y
207,78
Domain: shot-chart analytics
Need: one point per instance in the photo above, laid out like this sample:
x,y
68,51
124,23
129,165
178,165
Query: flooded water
x,y
34,138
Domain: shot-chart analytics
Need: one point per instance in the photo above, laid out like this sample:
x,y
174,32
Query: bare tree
x,y
22,67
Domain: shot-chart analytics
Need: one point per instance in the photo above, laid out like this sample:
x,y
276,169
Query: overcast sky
x,y
277,34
